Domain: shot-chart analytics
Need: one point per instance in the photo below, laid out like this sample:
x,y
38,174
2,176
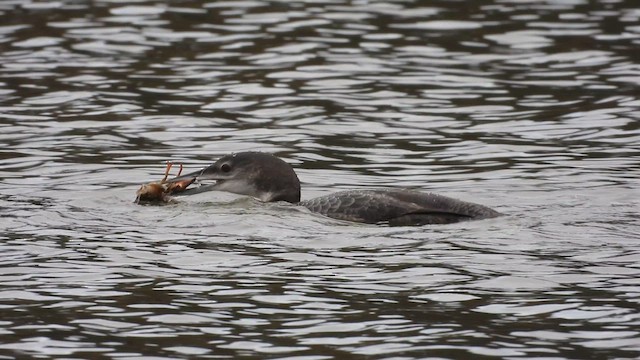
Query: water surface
x,y
530,107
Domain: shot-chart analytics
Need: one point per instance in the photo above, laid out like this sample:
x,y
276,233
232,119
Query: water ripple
x,y
527,107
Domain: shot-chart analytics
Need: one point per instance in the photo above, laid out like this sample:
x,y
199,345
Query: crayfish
x,y
160,191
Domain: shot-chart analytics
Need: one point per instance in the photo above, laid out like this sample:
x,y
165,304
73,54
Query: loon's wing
x,y
396,207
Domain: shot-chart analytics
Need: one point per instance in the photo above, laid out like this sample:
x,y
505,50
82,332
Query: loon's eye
x,y
225,168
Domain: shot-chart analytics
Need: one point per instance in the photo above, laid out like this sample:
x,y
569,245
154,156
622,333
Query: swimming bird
x,y
269,179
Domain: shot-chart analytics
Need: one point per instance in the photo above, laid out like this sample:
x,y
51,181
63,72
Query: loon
x,y
269,179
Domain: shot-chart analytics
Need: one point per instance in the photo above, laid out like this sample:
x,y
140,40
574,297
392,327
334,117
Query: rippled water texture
x,y
530,107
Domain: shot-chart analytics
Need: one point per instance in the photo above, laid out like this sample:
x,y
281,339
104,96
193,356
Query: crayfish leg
x,y
166,171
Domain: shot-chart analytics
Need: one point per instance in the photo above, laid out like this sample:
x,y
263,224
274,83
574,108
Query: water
x,y
529,107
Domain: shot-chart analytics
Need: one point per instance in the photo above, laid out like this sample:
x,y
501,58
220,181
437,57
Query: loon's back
x,y
397,207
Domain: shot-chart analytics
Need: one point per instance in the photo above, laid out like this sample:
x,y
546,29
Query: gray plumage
x,y
269,179
396,207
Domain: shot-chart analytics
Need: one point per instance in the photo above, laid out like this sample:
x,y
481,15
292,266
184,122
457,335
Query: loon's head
x,y
256,174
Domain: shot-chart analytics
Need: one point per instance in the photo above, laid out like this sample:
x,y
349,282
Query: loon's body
x,y
270,179
397,207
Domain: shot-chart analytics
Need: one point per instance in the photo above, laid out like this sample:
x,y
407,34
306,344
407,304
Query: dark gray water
x,y
530,107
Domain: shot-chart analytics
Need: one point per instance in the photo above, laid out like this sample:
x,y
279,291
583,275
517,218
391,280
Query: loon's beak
x,y
211,173
208,173
190,176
